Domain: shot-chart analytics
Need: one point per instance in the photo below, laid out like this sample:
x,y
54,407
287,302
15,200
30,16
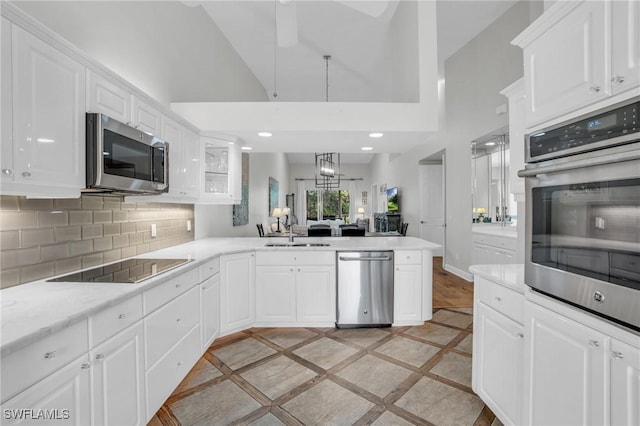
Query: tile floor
x,y
380,376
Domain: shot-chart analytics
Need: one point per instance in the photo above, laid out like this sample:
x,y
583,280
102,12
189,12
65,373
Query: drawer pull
x,y
178,285
520,335
177,319
50,355
100,356
617,355
121,316
594,343
498,299
180,364
84,366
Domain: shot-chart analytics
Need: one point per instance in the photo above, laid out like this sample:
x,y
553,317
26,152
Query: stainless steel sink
x,y
296,245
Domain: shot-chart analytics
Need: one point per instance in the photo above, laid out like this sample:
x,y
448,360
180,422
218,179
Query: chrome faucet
x,y
291,235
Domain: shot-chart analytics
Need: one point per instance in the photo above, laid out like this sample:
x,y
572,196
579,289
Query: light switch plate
x,y
154,230
188,225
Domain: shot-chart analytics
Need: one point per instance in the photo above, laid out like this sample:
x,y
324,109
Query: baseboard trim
x,y
459,272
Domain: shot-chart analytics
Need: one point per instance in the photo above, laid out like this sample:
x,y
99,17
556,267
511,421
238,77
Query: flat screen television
x,y
393,203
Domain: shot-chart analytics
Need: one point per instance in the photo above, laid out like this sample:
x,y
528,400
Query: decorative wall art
x,y
241,211
364,198
273,194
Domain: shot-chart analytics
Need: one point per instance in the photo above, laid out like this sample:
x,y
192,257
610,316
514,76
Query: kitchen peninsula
x,y
140,340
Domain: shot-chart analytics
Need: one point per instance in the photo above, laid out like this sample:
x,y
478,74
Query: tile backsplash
x,y
40,238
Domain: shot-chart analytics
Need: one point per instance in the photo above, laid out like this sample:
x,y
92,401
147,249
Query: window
x,y
334,205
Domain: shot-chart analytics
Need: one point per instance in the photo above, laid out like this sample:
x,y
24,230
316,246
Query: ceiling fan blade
x,y
286,23
373,8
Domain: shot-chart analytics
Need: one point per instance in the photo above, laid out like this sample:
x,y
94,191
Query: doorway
x,y
432,200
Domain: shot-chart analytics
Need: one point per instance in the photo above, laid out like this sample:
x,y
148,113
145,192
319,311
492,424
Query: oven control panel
x,y
618,124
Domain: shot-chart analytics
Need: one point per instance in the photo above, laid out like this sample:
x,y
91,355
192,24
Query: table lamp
x,y
277,213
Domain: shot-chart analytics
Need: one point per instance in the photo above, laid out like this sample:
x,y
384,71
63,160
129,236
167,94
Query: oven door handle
x,y
594,159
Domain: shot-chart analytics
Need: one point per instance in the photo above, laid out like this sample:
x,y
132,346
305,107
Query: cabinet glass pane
x,y
216,183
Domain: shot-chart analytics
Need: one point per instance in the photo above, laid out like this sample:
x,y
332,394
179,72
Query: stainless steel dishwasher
x,y
365,289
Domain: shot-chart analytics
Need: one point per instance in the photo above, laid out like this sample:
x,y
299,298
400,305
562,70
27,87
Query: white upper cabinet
x,y
6,108
108,98
48,107
145,117
625,45
220,171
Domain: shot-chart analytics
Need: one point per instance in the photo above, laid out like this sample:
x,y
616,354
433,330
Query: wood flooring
x,y
450,291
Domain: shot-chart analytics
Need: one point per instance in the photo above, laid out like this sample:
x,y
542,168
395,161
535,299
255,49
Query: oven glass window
x,y
126,157
590,229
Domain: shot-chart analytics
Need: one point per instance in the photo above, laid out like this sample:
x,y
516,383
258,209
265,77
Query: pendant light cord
x,y
326,59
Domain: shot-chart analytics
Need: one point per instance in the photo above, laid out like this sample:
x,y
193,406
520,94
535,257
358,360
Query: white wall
x,y
403,51
172,52
217,221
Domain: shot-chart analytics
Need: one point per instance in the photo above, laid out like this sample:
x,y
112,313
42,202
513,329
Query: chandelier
x,y
328,170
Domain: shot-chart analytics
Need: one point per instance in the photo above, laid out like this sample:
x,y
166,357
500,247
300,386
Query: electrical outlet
x,y
154,230
188,225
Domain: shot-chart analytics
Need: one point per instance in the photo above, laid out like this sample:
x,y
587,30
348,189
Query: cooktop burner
x,y
127,271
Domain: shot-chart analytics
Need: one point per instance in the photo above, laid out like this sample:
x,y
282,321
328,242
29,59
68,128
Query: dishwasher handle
x,y
365,259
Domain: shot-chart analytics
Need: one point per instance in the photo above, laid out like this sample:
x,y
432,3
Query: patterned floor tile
x,y
244,352
455,367
286,337
453,318
441,404
466,345
363,337
434,333
463,310
202,372
325,352
267,420
328,403
278,376
409,351
387,375
389,419
219,404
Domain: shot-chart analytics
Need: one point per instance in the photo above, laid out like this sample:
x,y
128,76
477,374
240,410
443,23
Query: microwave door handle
x,y
594,159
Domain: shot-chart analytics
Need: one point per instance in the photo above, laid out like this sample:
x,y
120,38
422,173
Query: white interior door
x,y
432,225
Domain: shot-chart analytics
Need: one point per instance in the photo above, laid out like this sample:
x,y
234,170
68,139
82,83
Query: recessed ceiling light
x,y
367,148
265,134
246,148
376,135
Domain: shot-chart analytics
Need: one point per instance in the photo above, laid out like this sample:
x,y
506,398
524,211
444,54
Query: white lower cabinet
x,y
625,383
64,398
210,310
407,294
565,370
316,294
275,294
237,287
118,379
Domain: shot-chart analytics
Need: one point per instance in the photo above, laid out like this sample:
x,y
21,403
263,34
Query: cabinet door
x,y
565,370
191,160
316,293
6,108
210,310
145,117
108,98
275,294
407,294
625,45
498,356
221,169
625,384
118,379
237,289
48,114
565,68
65,395
235,172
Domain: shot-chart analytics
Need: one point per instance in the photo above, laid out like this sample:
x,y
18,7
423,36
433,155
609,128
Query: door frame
x,y
439,158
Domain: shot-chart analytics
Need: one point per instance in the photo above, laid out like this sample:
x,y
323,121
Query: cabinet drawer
x,y
113,319
163,378
209,269
496,241
408,257
165,292
275,258
170,323
28,365
504,300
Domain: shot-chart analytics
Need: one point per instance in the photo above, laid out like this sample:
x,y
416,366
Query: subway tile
x,y
92,260
80,217
9,277
9,202
53,218
102,244
128,206
67,203
120,241
55,251
146,236
36,237
128,251
111,229
21,257
35,204
135,239
80,247
102,217
67,233
9,240
120,216
112,205
142,248
10,220
127,227
37,272
142,206
68,265
92,231
136,216
112,255
92,202
155,245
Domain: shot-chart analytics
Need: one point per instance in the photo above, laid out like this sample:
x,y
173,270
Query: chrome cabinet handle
x,y
121,316
178,285
520,335
178,319
7,171
100,356
180,364
84,366
50,355
594,89
26,174
498,299
617,355
618,79
594,343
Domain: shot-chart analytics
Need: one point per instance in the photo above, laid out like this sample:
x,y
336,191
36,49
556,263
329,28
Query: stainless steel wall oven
x,y
583,212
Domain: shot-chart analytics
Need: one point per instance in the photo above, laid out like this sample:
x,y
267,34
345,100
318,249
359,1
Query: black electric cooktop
x,y
127,271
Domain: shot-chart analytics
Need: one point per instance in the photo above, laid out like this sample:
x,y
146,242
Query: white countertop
x,y
31,311
511,276
508,231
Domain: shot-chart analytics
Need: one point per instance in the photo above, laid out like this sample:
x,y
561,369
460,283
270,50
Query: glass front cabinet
x,y
220,177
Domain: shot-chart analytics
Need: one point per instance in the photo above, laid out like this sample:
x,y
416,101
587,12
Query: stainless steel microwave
x,y
124,160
